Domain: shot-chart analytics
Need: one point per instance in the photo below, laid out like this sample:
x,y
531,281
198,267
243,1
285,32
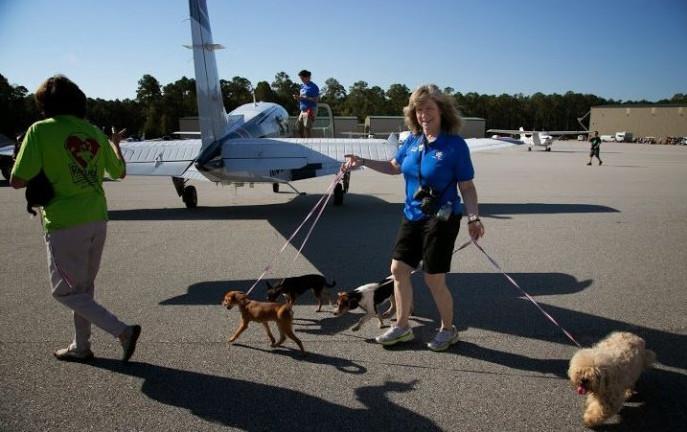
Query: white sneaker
x,y
395,335
444,339
70,354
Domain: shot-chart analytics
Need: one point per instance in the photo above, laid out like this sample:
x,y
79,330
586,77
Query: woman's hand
x,y
476,230
116,137
352,162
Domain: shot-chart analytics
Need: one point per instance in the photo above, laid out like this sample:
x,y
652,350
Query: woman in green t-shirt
x,y
74,155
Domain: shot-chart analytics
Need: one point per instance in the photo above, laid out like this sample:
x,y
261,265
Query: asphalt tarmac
x,y
602,248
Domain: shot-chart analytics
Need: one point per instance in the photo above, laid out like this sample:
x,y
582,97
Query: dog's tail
x,y
649,358
332,285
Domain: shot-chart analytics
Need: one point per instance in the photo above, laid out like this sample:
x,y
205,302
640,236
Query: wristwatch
x,y
473,218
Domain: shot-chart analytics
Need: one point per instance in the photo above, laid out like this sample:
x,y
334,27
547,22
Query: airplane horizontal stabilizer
x,y
160,158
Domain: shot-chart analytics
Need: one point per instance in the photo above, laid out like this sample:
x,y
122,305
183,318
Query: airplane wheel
x,y
346,180
190,197
548,149
529,148
275,187
338,194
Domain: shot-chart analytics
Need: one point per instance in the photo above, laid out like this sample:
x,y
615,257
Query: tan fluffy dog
x,y
262,312
607,373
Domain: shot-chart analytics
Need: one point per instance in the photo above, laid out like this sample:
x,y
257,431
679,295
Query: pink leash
x,y
510,279
325,197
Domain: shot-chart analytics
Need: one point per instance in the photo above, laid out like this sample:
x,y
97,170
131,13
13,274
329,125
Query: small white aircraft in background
x,y
536,138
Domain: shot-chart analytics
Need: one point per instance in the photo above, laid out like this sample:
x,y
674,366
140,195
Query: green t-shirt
x,y
74,155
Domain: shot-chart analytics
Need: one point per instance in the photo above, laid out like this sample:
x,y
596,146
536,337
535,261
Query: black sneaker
x,y
128,341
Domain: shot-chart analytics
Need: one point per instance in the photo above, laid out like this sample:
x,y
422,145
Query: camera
x,y
428,198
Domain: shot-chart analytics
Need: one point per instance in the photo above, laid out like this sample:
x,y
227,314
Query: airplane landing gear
x,y
346,180
341,188
338,194
188,194
190,197
529,148
548,149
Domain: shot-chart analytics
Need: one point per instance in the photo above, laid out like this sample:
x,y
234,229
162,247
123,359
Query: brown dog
x,y
262,312
607,373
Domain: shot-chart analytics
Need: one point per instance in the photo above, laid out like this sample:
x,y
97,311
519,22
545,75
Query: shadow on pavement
x,y
341,364
260,407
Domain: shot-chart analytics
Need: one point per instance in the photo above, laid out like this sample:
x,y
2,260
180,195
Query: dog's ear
x,y
229,298
241,298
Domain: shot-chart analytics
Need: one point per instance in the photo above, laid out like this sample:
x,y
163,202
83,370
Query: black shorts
x,y
594,151
430,240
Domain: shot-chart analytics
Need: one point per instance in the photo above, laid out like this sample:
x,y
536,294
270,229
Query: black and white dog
x,y
298,285
368,297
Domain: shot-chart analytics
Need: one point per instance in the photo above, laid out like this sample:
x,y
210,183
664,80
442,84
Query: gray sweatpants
x,y
73,261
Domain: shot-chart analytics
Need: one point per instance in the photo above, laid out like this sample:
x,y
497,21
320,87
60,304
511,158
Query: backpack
x,y
39,192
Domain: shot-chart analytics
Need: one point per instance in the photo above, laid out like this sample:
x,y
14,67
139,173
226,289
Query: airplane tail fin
x,y
536,139
211,113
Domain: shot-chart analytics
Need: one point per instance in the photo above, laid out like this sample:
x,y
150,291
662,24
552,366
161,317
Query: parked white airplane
x,y
250,144
536,138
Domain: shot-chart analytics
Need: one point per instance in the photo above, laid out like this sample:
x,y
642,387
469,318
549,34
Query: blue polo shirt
x,y
445,162
310,90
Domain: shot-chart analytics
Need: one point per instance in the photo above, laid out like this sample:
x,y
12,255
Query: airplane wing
x,y
300,157
161,158
268,158
487,144
520,132
509,131
311,157
565,132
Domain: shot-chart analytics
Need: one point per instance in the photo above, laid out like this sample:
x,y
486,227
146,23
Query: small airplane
x,y
536,138
250,144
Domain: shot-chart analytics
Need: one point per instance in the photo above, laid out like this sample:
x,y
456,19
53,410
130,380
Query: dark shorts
x,y
594,151
430,241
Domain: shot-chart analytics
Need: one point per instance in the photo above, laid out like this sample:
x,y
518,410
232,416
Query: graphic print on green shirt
x,y
83,151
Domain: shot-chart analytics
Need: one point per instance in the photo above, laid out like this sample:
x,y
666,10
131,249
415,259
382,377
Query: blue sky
x,y
629,50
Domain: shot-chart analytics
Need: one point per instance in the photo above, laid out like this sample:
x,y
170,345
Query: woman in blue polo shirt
x,y
435,162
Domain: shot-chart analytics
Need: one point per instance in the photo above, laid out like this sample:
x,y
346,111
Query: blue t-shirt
x,y
445,162
310,90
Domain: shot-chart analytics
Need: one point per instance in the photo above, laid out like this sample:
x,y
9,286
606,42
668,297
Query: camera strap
x,y
423,146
